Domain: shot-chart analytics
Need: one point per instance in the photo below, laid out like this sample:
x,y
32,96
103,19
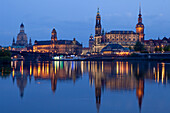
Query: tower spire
x,y
98,24
30,42
140,26
98,11
13,42
140,8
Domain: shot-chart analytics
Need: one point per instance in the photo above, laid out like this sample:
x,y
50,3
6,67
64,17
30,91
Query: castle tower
x,y
53,35
98,26
91,41
140,26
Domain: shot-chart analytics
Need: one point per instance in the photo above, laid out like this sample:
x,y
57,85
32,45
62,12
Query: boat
x,y
67,58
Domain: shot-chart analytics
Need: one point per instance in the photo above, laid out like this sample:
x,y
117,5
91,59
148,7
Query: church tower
x,y
140,26
98,26
13,42
30,42
91,41
53,35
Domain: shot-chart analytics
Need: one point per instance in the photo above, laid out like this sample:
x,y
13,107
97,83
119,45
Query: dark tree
x,y
156,49
139,46
167,48
160,49
130,47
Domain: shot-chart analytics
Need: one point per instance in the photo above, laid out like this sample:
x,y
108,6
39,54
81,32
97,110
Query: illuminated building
x,y
91,41
98,38
124,38
22,42
114,49
22,37
151,44
85,51
57,46
98,26
140,27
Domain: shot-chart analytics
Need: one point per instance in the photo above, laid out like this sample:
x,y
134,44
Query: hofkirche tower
x,y
98,26
53,36
140,27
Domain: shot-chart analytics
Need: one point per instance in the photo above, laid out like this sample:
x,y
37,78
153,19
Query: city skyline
x,y
80,24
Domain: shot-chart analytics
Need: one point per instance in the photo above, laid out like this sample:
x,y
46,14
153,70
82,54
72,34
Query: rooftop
x,y
121,32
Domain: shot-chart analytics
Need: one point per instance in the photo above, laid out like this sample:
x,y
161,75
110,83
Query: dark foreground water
x,y
85,87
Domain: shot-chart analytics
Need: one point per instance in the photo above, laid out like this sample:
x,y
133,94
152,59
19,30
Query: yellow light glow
x,y
117,68
163,72
102,66
30,69
47,69
39,69
13,72
22,68
127,68
158,73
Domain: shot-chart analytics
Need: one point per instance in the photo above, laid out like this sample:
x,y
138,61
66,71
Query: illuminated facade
x,y
22,42
140,27
91,41
115,49
57,46
151,44
124,38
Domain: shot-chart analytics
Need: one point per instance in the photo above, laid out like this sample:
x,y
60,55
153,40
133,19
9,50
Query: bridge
x,y
33,56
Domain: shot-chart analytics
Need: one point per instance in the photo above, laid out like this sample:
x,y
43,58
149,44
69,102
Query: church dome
x,y
22,25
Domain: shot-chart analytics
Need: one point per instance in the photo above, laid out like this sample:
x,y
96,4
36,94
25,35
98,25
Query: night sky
x,y
76,18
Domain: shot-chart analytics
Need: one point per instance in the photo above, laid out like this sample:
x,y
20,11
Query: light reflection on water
x,y
104,76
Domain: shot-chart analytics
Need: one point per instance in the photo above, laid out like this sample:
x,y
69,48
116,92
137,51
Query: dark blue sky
x,y
76,18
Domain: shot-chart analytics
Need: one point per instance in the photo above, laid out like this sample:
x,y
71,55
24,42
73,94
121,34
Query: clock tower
x,y
140,27
98,26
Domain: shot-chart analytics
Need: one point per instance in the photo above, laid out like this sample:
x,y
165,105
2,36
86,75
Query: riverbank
x,y
137,57
5,56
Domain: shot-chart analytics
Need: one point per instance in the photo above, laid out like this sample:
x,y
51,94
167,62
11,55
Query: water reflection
x,y
113,76
5,70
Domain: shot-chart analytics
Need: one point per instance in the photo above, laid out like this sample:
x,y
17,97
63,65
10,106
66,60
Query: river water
x,y
85,87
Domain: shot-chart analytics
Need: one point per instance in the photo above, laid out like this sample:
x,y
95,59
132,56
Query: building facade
x,y
124,38
91,41
22,41
151,44
57,46
140,27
